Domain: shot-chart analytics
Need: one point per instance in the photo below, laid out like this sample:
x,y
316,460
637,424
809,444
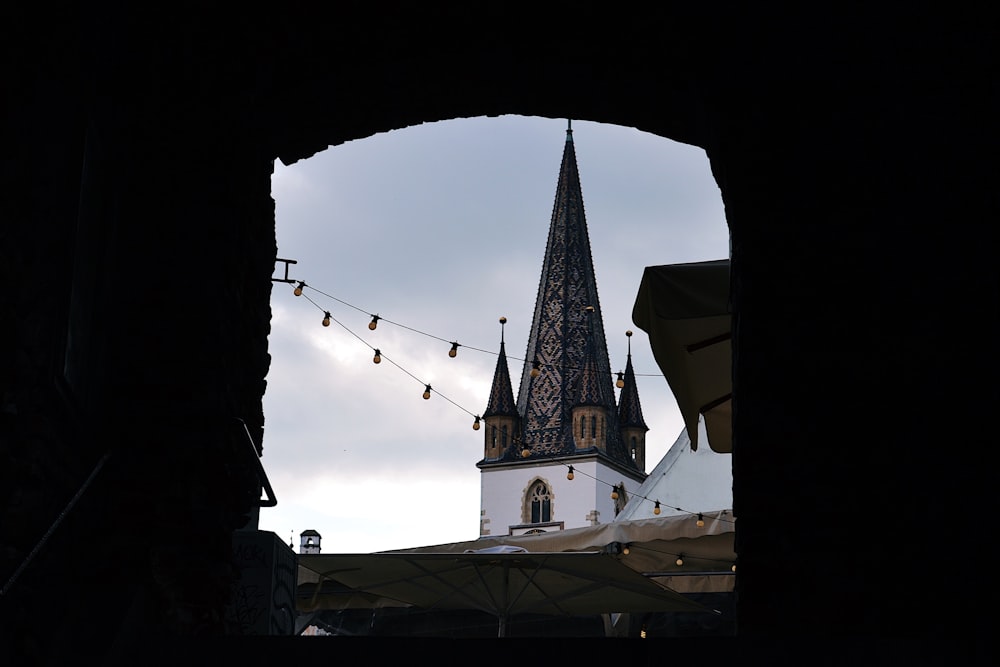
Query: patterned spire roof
x,y
502,393
560,331
629,410
589,389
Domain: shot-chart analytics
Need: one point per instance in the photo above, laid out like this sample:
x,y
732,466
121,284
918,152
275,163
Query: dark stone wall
x,y
137,245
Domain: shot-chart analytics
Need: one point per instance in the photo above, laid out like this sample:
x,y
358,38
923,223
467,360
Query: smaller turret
x,y
501,419
633,426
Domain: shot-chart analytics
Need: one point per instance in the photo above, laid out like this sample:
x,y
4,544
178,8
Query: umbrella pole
x,y
502,629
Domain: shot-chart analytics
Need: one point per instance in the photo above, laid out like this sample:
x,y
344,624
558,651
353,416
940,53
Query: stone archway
x,y
138,163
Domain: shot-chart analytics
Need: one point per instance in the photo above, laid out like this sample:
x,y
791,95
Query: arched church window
x,y
541,503
633,446
593,426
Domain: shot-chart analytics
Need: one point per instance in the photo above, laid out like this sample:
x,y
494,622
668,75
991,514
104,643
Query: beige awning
x,y
587,565
654,544
685,310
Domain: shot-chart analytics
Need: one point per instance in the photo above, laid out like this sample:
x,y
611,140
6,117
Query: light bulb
x,y
535,370
378,357
525,453
427,392
614,493
569,475
475,424
454,350
621,380
680,560
326,319
625,550
656,508
701,520
298,288
734,567
374,322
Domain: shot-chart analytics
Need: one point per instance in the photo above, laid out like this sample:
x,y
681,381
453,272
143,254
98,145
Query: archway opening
x,y
439,230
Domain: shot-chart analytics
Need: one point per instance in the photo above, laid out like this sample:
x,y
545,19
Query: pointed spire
x,y
565,338
502,393
629,410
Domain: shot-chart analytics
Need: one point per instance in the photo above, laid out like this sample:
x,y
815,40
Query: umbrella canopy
x,y
654,546
501,583
685,310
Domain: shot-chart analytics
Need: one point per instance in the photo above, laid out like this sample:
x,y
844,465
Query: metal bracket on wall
x,y
286,279
270,501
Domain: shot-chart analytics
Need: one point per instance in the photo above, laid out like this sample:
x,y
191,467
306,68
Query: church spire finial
x,y
569,130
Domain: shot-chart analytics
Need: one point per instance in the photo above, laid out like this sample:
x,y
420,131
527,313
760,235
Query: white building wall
x,y
583,501
693,481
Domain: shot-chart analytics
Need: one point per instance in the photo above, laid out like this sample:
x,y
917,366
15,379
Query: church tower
x,y
564,455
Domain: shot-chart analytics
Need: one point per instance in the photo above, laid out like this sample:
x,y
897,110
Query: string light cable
x,y
428,390
537,365
299,291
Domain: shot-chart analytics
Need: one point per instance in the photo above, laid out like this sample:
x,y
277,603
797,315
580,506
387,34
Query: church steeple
x,y
501,416
565,410
567,318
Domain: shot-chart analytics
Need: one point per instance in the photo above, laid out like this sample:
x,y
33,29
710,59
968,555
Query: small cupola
x,y
309,542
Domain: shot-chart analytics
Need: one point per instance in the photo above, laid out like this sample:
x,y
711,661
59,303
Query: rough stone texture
x,y
137,244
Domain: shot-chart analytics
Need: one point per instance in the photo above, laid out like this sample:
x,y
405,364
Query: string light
x,y
656,507
680,560
734,567
569,475
377,357
372,325
626,550
621,380
614,492
701,520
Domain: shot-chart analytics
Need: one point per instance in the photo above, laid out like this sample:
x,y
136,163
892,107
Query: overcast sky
x,y
440,229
